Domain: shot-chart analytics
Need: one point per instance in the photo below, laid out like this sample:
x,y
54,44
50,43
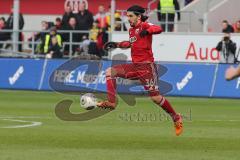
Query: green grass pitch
x,y
211,130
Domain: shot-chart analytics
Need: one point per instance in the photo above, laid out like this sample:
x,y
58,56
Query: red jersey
x,y
141,49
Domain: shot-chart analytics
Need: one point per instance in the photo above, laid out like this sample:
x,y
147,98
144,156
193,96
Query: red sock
x,y
111,89
169,109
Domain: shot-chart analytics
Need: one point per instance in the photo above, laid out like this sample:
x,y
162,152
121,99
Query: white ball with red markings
x,y
88,101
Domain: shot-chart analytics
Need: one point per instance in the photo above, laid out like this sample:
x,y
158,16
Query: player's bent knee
x,y
110,72
157,99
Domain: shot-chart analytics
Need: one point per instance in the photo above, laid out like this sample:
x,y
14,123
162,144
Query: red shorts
x,y
146,73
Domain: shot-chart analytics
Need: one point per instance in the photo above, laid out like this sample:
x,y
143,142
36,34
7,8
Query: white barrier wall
x,y
194,12
228,10
181,47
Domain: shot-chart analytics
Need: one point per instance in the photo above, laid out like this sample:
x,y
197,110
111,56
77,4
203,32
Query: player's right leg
x,y
111,89
120,70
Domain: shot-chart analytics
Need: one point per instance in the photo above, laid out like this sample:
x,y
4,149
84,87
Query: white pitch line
x,y
25,117
230,120
33,124
217,120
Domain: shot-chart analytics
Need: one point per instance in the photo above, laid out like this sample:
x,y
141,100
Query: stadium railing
x,y
33,54
123,22
154,20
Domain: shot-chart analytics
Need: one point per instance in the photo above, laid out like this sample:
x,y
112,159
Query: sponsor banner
x,y
190,79
182,79
48,67
181,48
20,73
81,76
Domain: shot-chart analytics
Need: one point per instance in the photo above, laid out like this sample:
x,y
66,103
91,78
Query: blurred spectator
x,y
9,22
58,23
188,1
54,50
94,32
4,36
2,23
75,7
102,38
45,26
51,24
116,14
227,49
40,37
166,13
226,27
72,26
101,17
48,39
84,19
68,13
9,25
119,25
237,27
96,48
84,46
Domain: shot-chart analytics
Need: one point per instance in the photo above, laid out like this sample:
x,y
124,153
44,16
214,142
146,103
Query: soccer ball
x,y
88,101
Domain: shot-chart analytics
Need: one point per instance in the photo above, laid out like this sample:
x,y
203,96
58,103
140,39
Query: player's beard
x,y
131,24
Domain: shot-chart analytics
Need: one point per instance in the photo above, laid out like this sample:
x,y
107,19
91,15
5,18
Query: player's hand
x,y
230,73
110,46
143,33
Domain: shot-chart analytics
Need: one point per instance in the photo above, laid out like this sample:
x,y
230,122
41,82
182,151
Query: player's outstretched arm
x,y
232,73
113,45
124,44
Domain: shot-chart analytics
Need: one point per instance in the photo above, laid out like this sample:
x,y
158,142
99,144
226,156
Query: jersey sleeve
x,y
153,29
124,44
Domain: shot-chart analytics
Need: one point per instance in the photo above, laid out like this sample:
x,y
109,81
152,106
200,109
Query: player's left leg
x,y
111,89
165,105
150,82
120,70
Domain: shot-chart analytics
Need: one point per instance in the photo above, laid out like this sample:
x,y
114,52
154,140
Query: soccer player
x,y
142,67
232,73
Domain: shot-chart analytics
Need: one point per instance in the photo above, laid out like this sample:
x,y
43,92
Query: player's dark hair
x,y
138,10
144,18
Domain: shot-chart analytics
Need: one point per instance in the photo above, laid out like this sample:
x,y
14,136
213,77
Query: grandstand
x,y
56,53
